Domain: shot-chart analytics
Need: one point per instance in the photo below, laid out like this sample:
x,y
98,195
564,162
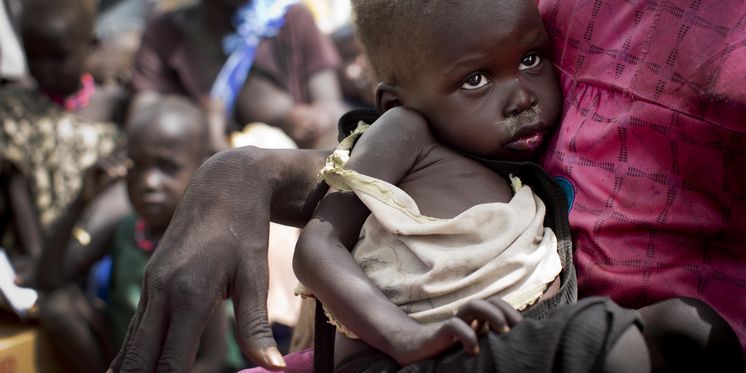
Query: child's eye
x,y
170,168
529,61
475,81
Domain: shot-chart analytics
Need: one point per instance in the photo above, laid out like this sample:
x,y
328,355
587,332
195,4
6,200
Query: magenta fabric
x,y
297,362
652,148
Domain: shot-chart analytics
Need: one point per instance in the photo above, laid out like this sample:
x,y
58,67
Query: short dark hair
x,y
392,33
189,113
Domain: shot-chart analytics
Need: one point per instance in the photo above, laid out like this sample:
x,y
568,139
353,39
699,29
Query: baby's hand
x,y
472,319
105,172
492,314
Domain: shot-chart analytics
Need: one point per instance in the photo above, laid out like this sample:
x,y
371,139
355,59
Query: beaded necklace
x,y
143,242
79,99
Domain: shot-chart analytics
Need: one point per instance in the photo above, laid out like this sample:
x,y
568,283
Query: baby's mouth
x,y
528,140
526,144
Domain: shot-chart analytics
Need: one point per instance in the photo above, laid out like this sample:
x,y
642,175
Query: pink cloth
x,y
297,362
652,147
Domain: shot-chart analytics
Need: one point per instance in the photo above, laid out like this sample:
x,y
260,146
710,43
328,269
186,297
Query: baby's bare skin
x,y
409,156
426,169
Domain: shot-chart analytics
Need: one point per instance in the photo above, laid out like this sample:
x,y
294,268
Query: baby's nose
x,y
518,99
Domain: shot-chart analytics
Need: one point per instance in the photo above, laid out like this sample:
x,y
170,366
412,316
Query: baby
x,y
448,247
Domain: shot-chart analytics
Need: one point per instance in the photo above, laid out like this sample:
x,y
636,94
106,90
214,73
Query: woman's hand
x,y
215,248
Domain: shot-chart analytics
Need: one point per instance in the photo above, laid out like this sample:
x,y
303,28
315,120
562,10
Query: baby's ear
x,y
387,97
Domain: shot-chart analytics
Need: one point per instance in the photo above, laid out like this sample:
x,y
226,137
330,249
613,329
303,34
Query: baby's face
x,y
488,86
165,156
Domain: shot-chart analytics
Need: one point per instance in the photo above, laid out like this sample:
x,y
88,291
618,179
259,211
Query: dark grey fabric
x,y
575,338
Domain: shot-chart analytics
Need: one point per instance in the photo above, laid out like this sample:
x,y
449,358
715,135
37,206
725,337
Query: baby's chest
x,y
446,188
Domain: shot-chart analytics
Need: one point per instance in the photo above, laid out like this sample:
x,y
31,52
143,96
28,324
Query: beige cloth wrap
x,y
429,267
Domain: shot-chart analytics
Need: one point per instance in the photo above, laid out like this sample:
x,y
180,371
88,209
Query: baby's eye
x,y
475,81
529,61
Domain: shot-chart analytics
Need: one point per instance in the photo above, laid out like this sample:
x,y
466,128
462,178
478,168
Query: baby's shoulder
x,y
400,126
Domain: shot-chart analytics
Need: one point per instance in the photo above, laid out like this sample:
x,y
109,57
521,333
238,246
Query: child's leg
x,y
78,329
686,334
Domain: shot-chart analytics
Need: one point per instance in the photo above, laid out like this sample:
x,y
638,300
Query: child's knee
x,y
57,309
54,308
629,353
687,318
687,332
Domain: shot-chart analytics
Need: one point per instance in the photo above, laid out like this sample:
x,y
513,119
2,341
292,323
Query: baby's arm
x,y
22,206
322,261
388,150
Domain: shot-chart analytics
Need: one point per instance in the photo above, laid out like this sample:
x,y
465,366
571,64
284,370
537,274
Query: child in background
x,y
443,248
51,135
353,74
166,146
58,39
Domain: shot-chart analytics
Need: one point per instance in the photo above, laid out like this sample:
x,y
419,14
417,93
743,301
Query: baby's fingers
x,y
460,331
512,316
483,311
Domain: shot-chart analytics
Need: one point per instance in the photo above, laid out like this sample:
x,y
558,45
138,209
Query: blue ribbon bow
x,y
253,21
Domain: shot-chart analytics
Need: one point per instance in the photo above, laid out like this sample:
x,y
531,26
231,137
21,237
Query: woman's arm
x,y
311,125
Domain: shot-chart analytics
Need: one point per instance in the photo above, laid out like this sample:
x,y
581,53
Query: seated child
x,y
52,134
443,248
58,40
166,146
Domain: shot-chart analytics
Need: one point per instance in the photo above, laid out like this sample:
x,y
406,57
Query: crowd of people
x,y
547,185
108,108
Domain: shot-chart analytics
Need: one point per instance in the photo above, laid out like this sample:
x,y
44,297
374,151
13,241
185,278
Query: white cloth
x,y
12,60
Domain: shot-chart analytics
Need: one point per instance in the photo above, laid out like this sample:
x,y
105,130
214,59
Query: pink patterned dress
x,y
652,148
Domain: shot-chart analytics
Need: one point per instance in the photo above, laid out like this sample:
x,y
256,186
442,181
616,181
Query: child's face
x,y
165,155
56,58
487,86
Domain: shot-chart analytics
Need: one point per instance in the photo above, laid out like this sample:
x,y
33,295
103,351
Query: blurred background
x,y
94,95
